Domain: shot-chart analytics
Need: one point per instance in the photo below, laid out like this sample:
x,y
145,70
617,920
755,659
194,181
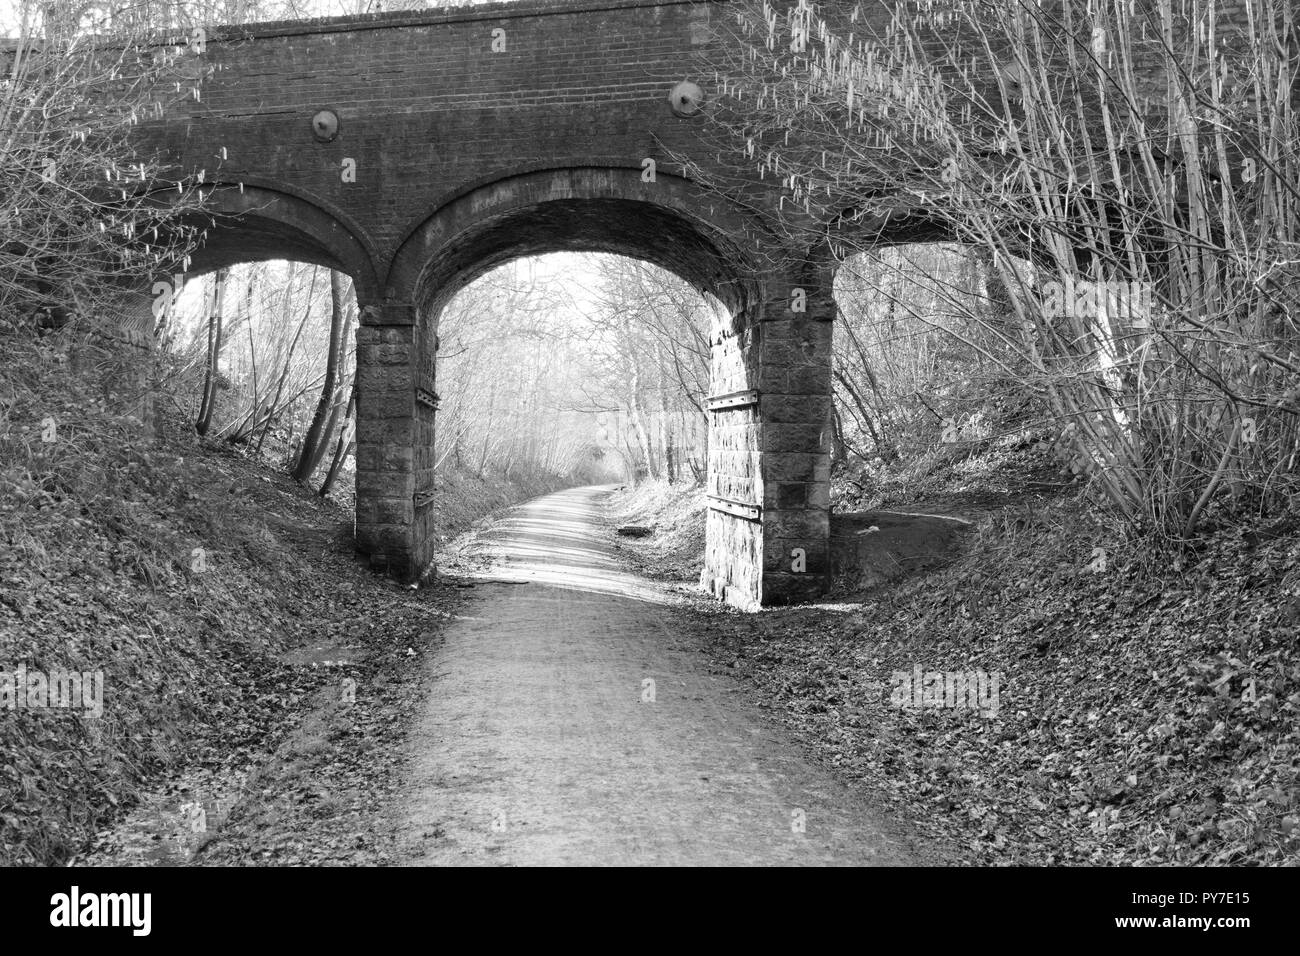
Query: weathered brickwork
x,y
451,158
796,415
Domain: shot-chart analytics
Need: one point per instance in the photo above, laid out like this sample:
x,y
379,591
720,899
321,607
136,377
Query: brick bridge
x,y
417,151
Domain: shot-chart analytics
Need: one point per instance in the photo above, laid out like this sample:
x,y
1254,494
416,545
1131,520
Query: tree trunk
x,y
208,404
344,446
340,455
839,451
312,442
339,402
288,362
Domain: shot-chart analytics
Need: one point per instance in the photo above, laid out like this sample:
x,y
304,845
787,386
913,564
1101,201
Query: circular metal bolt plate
x,y
686,98
325,126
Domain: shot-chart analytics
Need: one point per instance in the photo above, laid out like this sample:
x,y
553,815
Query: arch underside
x,y
257,224
236,240
669,221
606,225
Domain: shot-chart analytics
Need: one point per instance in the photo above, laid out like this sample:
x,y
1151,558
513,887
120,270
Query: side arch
x,y
256,223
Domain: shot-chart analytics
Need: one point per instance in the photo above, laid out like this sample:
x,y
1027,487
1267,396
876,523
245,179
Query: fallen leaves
x,y
196,684
1148,715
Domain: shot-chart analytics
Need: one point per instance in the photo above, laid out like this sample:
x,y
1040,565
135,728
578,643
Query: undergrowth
x,y
178,569
1149,691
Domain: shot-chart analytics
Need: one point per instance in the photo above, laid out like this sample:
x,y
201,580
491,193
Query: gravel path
x,y
541,743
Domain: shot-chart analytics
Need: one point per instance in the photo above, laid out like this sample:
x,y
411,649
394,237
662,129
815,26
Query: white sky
x,y
577,270
276,9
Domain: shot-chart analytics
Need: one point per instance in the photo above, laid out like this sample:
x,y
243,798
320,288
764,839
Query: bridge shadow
x,y
560,541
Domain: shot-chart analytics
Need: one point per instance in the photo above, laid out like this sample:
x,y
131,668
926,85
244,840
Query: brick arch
x,y
670,222
252,223
456,156
770,365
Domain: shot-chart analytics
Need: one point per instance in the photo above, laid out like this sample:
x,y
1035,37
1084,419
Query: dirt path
x,y
540,744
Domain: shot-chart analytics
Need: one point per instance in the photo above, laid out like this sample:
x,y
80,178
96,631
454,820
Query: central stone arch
x,y
754,518
668,221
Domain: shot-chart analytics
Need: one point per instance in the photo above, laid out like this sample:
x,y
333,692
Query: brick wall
x,y
427,110
465,157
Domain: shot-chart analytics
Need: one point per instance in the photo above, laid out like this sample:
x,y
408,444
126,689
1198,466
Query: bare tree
x,y
316,436
1131,175
211,370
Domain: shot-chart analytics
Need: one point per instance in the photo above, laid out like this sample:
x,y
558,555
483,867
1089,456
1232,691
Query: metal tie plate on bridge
x,y
740,509
742,399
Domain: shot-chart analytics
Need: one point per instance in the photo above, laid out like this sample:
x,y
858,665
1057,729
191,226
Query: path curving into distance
x,y
537,746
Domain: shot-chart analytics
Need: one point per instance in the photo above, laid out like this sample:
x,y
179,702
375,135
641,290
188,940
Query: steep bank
x,y
215,604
